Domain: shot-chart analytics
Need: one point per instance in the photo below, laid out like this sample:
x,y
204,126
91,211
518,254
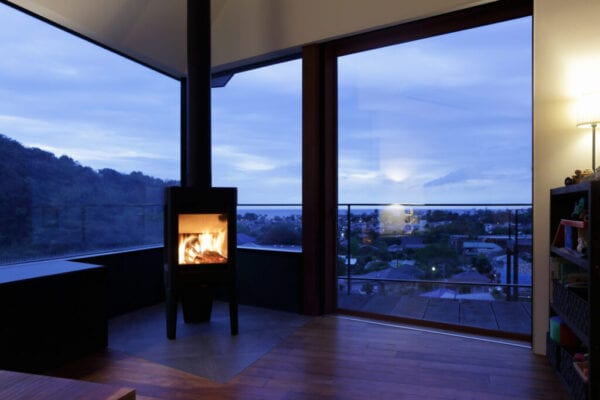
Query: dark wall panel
x,y
135,279
50,319
269,279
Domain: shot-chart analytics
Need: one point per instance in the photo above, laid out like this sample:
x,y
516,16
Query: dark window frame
x,y
320,115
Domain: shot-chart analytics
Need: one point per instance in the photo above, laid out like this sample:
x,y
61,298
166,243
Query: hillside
x,y
53,205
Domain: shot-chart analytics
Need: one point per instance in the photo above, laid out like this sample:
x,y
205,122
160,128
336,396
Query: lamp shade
x,y
588,110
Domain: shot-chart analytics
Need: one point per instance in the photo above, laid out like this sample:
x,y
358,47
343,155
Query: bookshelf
x,y
572,344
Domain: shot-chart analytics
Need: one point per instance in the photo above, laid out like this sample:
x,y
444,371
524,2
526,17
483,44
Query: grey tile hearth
x,y
205,349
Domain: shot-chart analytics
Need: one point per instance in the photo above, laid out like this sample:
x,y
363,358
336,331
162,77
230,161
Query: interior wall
x,y
566,43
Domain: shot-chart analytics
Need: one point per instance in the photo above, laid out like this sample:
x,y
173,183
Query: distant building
x,y
477,248
469,276
412,243
398,220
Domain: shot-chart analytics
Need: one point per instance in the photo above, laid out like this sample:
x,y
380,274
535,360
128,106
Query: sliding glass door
x,y
434,172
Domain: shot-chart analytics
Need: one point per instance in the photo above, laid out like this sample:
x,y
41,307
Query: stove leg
x,y
171,305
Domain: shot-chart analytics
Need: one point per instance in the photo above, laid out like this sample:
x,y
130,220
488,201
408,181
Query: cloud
x,y
458,176
243,161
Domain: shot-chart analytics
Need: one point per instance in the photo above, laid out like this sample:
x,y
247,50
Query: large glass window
x,y
88,141
445,119
435,152
257,147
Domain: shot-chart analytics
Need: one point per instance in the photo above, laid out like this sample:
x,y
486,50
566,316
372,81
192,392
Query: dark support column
x,y
198,143
319,180
183,136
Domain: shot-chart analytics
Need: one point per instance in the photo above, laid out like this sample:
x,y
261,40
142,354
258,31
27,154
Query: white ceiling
x,y
154,31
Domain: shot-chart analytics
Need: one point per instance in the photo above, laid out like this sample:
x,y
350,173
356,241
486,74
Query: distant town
x,y
394,244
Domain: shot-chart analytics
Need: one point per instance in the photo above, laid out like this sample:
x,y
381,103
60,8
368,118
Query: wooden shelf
x,y
574,223
571,256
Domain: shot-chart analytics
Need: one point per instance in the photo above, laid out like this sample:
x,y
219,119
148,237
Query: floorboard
x,y
338,357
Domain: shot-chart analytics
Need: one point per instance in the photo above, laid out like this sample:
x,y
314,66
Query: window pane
x,y
257,147
256,138
89,140
435,142
445,119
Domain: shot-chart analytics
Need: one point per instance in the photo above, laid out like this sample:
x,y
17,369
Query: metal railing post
x,y
348,250
508,289
516,257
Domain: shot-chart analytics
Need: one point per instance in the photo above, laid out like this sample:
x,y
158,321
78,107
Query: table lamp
x,y
588,115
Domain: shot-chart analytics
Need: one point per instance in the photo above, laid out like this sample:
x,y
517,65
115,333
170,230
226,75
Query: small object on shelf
x,y
583,369
581,245
570,235
579,211
561,333
578,176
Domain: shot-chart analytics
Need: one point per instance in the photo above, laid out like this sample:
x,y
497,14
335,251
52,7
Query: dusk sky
x,y
441,120
67,96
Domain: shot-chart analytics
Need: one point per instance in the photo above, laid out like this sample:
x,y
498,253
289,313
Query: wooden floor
x,y
336,357
22,386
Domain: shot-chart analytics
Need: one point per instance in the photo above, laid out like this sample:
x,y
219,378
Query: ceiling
x,y
153,32
150,31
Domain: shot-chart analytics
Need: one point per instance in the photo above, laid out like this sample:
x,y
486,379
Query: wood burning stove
x,y
200,248
200,220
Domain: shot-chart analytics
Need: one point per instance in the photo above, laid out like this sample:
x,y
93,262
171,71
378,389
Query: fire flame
x,y
202,239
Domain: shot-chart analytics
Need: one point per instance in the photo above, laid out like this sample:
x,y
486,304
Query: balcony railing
x,y
429,261
463,264
49,231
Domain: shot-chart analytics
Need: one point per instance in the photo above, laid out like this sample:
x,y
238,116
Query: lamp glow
x,y
588,115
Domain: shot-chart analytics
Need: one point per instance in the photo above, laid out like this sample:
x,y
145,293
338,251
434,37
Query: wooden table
x,y
21,386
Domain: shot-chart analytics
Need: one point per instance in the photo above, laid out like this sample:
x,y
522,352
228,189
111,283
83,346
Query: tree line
x,y
52,206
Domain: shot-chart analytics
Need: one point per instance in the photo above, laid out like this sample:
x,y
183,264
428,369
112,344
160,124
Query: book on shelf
x,y
570,236
573,223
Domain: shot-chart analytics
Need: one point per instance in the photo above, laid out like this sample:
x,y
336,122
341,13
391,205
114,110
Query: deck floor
x,y
502,316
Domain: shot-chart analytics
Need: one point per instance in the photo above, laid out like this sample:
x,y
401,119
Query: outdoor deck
x,y
503,316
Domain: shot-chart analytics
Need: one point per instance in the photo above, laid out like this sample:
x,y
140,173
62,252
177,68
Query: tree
x,y
50,206
482,264
444,258
281,233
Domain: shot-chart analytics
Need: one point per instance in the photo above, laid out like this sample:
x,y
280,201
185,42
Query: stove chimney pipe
x,y
197,171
